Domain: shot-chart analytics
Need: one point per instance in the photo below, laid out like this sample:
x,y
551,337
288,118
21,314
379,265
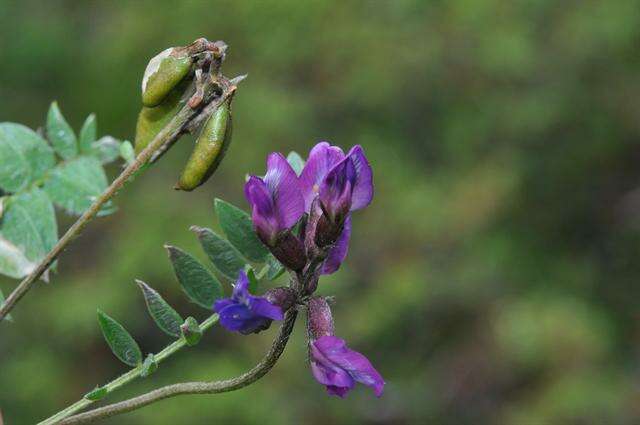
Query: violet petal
x,y
363,187
241,287
326,372
261,307
338,252
356,364
336,189
219,305
263,213
235,316
322,158
284,187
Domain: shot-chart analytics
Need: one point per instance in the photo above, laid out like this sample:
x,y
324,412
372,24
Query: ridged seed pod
x,y
211,145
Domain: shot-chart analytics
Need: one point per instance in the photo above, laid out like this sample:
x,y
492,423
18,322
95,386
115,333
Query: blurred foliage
x,y
494,279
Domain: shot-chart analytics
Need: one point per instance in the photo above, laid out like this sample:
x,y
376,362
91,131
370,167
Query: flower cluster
x,y
305,221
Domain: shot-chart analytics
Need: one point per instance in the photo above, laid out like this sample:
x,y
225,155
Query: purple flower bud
x,y
276,200
277,205
244,312
333,364
319,319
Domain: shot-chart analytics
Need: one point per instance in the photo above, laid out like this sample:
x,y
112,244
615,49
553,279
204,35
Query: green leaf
x,y
8,317
24,157
222,254
27,233
162,313
127,152
199,284
121,342
106,149
149,366
88,134
254,282
13,262
96,394
239,230
296,162
275,269
60,133
74,185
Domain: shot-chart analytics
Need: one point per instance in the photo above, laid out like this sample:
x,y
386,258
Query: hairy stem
x,y
169,134
213,387
127,377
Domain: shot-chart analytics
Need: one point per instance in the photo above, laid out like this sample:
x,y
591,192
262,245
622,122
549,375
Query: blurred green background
x,y
494,279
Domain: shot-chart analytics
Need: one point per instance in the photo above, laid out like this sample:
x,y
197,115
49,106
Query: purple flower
x,y
244,312
333,364
276,200
337,367
334,184
342,182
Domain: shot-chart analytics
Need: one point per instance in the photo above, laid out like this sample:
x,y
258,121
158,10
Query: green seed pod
x,y
152,120
163,73
211,145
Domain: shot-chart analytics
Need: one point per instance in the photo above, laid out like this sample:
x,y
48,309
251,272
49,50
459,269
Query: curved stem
x,y
127,377
213,387
184,119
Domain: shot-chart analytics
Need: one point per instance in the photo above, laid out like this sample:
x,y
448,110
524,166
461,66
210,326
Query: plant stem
x,y
127,377
213,387
168,135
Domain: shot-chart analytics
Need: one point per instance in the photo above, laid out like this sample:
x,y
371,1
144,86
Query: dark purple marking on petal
x,y
339,391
